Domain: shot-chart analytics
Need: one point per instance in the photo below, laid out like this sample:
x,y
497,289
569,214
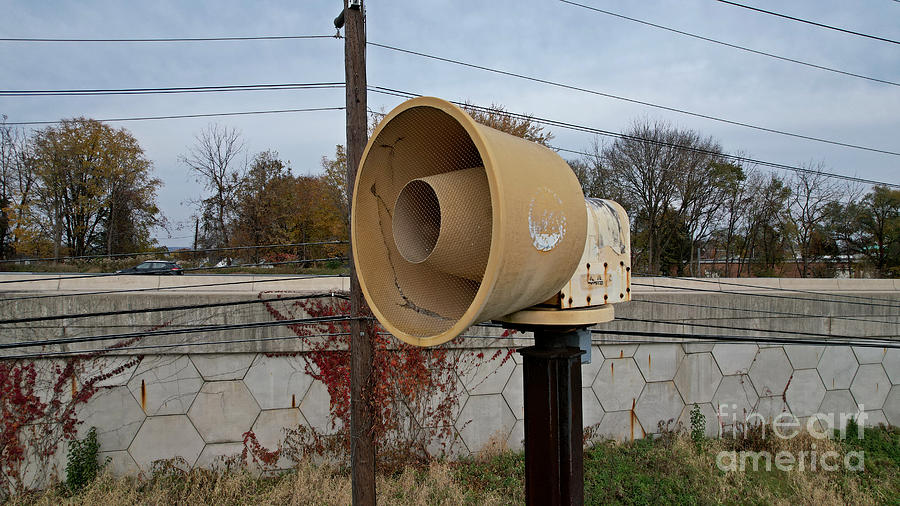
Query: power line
x,y
856,318
808,22
170,90
184,116
170,39
768,296
169,308
618,135
631,100
733,46
733,338
172,252
174,287
168,332
749,329
188,269
895,304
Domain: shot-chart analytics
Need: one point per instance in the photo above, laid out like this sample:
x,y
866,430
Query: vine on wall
x,y
415,391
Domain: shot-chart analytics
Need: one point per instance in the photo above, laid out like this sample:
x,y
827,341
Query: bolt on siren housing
x,y
455,223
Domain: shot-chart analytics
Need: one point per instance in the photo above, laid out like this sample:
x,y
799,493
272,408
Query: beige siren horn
x,y
455,223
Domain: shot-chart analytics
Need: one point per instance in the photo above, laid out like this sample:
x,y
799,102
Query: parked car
x,y
154,267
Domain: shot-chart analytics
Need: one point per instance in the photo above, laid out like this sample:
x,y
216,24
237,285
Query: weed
x,y
83,463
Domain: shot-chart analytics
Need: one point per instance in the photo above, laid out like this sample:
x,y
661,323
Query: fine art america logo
x,y
786,426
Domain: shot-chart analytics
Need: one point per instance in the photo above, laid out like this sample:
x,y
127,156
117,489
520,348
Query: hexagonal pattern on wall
x,y
734,399
837,407
278,382
805,392
658,362
891,363
869,354
591,410
222,366
734,358
316,409
166,437
770,372
698,378
870,386
837,367
618,350
270,427
482,418
116,415
165,384
484,376
659,402
223,411
621,426
514,392
618,384
803,356
892,406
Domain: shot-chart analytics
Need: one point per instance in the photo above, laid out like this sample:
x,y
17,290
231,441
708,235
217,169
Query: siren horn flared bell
x,y
454,223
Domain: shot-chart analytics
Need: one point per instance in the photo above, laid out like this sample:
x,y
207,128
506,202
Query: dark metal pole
x,y
554,460
362,444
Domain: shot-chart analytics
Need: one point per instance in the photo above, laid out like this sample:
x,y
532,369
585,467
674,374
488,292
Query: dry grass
x,y
672,469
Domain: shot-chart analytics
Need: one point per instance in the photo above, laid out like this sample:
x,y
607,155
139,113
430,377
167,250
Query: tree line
x,y
82,187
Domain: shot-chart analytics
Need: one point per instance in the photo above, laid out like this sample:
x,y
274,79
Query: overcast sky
x,y
545,39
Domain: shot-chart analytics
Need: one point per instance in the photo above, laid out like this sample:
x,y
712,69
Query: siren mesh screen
x,y
423,221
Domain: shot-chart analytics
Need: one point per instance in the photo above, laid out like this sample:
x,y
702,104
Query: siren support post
x,y
554,460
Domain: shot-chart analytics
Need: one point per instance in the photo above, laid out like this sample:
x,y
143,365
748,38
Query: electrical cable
x,y
750,329
808,22
896,304
179,252
169,308
186,269
631,100
176,287
768,296
184,116
733,46
169,39
608,133
857,318
170,90
732,338
168,332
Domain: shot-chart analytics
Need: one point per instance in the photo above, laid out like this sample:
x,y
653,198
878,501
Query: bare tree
x,y
214,161
809,204
659,167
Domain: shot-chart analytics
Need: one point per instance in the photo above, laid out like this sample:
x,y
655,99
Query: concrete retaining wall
x,y
197,401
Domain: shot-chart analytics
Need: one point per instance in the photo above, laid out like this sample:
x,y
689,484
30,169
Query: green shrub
x,y
82,463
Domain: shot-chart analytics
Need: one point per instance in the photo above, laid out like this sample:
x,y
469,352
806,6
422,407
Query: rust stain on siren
x,y
546,219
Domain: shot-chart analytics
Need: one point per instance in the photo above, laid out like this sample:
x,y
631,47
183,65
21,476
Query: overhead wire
x,y
734,338
688,323
183,307
175,331
753,294
895,303
630,100
167,39
769,313
171,90
173,287
618,135
808,22
174,252
733,46
184,116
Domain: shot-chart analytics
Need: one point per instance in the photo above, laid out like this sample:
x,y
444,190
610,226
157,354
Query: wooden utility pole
x,y
362,444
